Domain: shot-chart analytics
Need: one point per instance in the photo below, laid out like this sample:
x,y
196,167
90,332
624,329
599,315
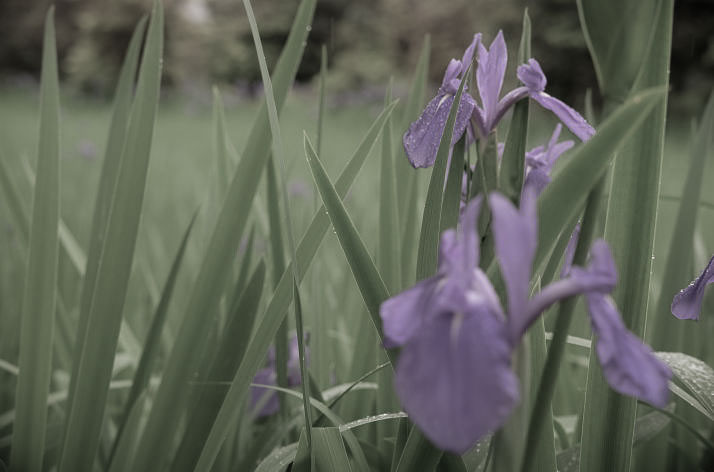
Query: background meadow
x,y
200,135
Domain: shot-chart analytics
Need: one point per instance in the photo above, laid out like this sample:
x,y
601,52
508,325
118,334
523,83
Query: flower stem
x,y
560,333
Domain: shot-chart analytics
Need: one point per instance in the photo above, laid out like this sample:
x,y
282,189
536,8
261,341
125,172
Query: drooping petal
x,y
454,378
570,118
421,141
403,314
515,237
534,79
265,400
687,304
630,367
489,75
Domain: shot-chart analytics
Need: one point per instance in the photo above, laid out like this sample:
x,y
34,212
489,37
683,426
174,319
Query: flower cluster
x,y
421,141
454,376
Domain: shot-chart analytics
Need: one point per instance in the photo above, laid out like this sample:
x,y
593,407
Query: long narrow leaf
x,y
93,371
370,283
39,296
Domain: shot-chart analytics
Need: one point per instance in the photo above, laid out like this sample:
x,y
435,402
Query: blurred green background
x,y
208,41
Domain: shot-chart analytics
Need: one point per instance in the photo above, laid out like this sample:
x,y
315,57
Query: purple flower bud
x,y
688,303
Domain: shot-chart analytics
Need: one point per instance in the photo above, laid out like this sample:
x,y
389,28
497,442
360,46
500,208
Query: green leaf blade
x,y
39,296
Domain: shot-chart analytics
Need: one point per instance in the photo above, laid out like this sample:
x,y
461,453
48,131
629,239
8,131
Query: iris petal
x,y
454,378
688,303
515,237
570,118
421,141
630,367
403,314
489,75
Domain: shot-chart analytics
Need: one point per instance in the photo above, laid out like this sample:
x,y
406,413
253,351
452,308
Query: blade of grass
x,y
39,295
370,283
230,352
322,103
107,184
278,304
388,258
609,418
353,444
279,154
329,450
406,176
128,442
452,193
431,218
97,348
220,145
514,152
215,268
153,338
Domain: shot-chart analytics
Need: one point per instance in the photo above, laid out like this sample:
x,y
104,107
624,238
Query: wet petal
x,y
570,118
403,314
421,141
454,378
515,237
489,75
630,367
687,304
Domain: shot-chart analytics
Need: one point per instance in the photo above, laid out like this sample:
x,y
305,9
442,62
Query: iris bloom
x,y
540,161
454,375
688,303
421,141
266,401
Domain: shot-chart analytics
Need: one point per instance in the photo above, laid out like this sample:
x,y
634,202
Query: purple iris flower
x,y
266,400
454,375
540,160
688,303
421,141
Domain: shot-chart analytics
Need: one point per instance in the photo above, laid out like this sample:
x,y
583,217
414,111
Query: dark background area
x,y
208,41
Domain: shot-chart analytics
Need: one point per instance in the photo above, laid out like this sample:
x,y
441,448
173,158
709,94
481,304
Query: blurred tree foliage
x,y
367,40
